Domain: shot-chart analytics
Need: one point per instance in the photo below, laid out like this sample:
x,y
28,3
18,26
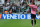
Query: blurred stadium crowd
x,y
16,6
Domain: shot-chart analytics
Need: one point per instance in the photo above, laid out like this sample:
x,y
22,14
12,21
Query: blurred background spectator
x,y
39,8
17,6
5,12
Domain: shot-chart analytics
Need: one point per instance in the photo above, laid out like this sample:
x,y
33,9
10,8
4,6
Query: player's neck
x,y
32,4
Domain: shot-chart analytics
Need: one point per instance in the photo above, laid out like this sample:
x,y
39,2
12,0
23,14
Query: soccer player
x,y
33,12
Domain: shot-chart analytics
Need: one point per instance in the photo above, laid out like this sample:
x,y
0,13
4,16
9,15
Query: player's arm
x,y
27,3
37,11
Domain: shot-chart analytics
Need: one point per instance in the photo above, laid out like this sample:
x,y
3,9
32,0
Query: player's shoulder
x,y
34,5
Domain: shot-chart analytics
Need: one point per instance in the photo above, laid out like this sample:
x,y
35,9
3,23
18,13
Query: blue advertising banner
x,y
18,16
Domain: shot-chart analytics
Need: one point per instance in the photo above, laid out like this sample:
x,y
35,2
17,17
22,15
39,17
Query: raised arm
x,y
27,3
37,11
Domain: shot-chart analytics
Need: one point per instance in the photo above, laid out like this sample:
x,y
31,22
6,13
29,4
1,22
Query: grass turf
x,y
17,23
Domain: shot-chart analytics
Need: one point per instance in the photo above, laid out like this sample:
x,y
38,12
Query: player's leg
x,y
35,20
32,22
32,19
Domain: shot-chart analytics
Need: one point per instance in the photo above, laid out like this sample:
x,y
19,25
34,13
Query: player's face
x,y
31,3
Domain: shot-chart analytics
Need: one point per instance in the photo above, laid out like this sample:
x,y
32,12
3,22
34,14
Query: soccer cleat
x,y
35,25
32,26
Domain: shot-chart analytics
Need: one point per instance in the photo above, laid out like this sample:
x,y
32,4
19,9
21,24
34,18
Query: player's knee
x,y
31,19
34,19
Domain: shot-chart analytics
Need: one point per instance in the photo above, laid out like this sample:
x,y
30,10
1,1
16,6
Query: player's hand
x,y
26,0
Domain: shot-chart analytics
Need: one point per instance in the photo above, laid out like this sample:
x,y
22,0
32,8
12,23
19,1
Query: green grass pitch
x,y
17,23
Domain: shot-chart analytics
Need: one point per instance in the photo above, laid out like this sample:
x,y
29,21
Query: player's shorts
x,y
33,16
